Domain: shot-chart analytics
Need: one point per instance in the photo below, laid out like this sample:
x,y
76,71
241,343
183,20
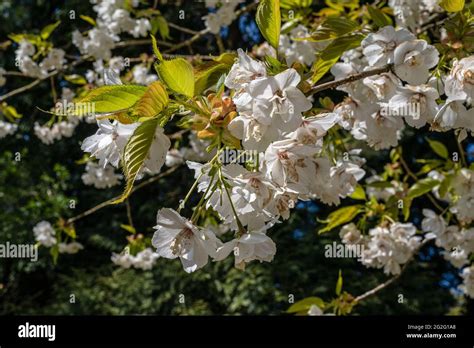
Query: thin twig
x,y
107,202
37,81
129,212
203,32
414,177
16,73
141,42
391,280
352,78
183,29
461,153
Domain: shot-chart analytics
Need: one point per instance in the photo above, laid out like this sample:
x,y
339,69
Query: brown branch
x,y
183,29
141,42
107,202
37,81
414,177
203,32
352,78
391,280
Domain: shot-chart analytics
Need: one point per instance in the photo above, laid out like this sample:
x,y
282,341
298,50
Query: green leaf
x,y
128,228
292,4
88,19
406,208
47,30
445,185
111,99
331,54
452,5
160,25
380,184
339,284
332,28
438,148
152,102
341,216
359,193
305,305
268,19
380,19
178,75
135,154
209,73
54,252
422,187
76,79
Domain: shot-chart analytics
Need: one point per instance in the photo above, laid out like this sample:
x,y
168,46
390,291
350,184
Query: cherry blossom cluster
x,y
45,235
223,16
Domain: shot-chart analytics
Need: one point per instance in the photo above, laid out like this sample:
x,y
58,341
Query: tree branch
x,y
352,78
391,280
107,202
203,32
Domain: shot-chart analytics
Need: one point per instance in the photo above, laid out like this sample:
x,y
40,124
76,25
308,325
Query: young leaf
x,y
452,5
135,154
359,193
152,102
88,19
305,305
268,19
331,54
111,99
439,148
47,30
380,19
208,74
178,75
333,27
341,216
339,284
421,187
76,79
160,24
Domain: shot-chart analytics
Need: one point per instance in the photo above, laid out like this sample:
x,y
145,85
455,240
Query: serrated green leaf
x,y
152,102
135,154
452,5
305,304
438,148
422,187
268,19
47,30
111,99
341,216
178,75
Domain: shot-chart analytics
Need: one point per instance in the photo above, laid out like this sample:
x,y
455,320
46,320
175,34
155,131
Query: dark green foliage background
x,y
40,186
